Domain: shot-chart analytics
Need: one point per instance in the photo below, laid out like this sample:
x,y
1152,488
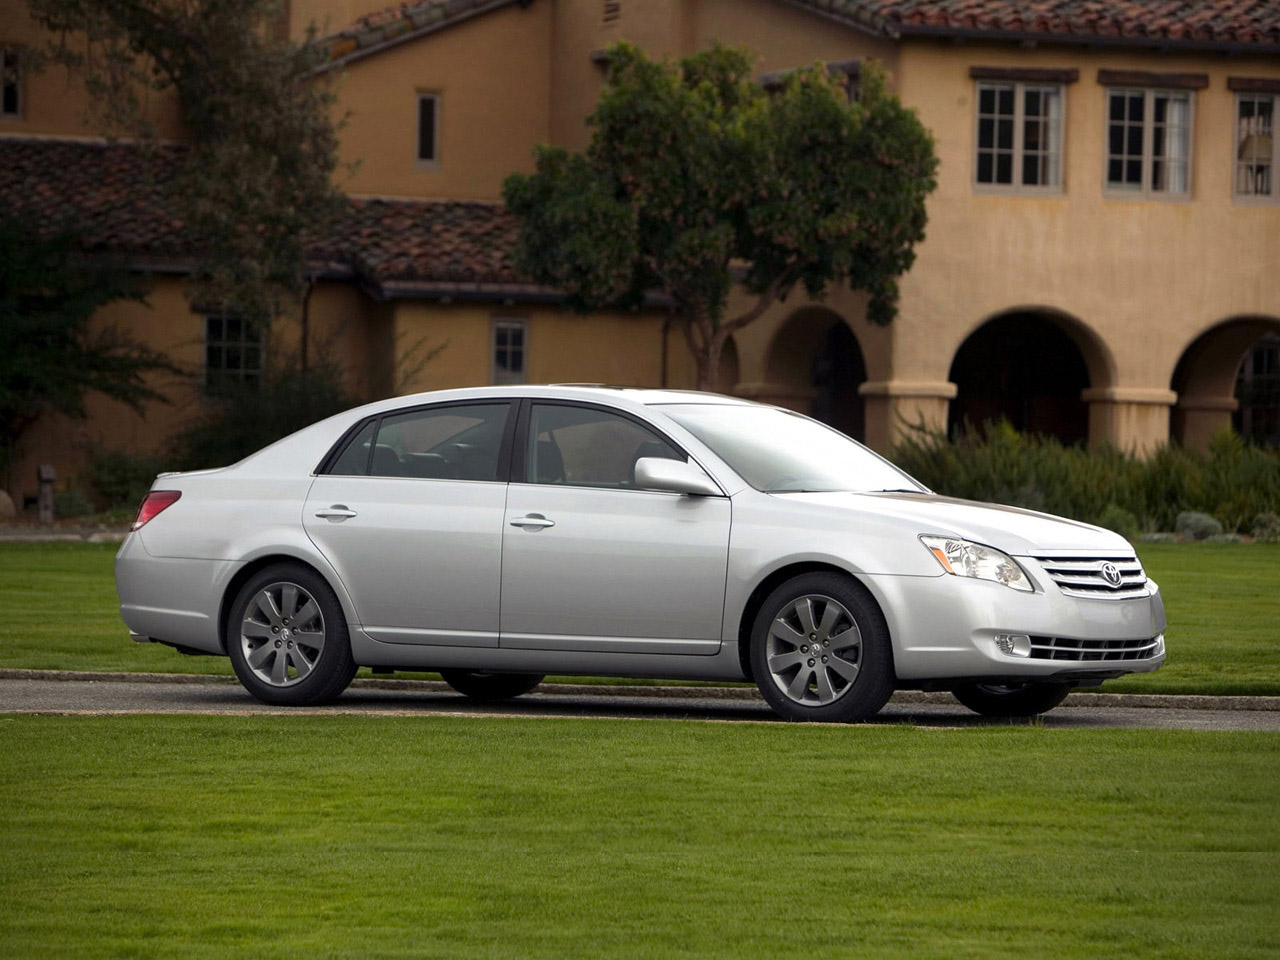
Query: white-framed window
x,y
509,349
233,352
10,83
428,129
1255,146
1149,141
1019,136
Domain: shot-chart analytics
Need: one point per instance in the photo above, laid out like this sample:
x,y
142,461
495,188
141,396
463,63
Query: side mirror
x,y
674,476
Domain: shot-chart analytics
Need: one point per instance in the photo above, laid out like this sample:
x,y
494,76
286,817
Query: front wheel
x,y
1011,699
287,637
482,685
820,650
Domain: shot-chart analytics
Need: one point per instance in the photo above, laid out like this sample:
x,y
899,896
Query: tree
x,y
257,179
50,357
696,177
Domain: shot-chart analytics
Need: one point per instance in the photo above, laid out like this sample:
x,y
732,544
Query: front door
x,y
590,561
410,515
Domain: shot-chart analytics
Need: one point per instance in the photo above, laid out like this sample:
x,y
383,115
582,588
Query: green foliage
x,y
248,417
258,177
1232,481
693,168
119,478
1266,527
1193,525
71,503
1119,520
51,357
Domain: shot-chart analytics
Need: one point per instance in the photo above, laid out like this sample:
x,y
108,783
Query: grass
x,y
329,837
59,611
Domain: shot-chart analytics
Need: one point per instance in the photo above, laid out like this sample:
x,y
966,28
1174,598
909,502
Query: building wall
x,y
1142,278
561,347
492,74
55,102
345,328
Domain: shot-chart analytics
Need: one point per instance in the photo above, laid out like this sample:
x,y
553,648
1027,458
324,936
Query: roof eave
x,y
929,31
869,23
415,34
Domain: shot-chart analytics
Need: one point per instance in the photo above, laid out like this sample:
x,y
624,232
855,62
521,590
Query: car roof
x,y
570,391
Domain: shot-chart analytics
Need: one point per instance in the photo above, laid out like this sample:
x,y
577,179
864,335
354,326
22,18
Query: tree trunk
x,y
706,358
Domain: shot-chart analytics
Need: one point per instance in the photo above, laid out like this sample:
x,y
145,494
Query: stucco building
x,y
1103,248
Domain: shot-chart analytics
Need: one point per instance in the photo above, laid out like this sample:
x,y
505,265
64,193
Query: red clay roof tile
x,y
115,198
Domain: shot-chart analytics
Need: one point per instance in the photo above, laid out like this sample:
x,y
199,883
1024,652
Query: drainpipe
x,y
306,323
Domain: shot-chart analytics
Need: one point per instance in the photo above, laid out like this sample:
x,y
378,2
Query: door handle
x,y
533,520
336,513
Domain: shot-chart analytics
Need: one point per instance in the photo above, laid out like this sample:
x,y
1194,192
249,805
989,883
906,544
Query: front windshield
x,y
777,451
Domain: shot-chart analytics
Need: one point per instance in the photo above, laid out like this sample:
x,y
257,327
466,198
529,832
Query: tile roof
x,y
115,198
377,31
1207,24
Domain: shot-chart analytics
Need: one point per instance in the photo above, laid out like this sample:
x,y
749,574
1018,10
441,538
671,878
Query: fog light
x,y
1159,650
1014,644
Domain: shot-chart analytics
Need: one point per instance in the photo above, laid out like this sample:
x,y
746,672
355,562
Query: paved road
x,y
51,696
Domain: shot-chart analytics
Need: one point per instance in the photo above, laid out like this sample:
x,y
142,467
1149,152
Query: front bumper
x,y
945,628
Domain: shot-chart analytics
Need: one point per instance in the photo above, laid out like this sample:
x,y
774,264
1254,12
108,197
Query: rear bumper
x,y
169,600
945,628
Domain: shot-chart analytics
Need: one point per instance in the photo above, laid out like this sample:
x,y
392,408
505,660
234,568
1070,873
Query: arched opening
x,y
838,369
1028,368
1229,377
816,361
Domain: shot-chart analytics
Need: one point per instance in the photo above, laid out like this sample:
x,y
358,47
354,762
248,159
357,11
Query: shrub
x,y
1232,481
72,502
1266,527
251,416
1119,520
121,479
1197,526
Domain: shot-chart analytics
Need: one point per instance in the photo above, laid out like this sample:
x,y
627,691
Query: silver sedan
x,y
500,534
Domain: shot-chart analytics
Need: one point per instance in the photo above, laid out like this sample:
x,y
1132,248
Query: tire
x,y
481,685
851,676
279,658
1011,700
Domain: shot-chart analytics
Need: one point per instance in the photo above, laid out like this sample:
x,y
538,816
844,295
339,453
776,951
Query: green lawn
x,y
58,602
443,837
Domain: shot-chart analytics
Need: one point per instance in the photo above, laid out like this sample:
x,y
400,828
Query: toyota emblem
x,y
1112,574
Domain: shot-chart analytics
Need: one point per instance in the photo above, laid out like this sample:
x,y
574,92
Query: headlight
x,y
961,558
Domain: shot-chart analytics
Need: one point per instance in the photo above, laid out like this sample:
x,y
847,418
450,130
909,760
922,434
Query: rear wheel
x,y
1011,699
482,685
287,637
820,650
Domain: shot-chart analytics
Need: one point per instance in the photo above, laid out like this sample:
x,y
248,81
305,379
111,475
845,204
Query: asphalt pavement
x,y
90,697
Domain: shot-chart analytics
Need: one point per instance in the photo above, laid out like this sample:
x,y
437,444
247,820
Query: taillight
x,y
152,504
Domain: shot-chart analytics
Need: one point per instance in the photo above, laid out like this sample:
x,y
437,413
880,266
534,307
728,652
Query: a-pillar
x,y
895,407
1134,419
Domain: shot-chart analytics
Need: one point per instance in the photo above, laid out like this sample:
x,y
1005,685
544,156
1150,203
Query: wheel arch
x,y
247,570
775,579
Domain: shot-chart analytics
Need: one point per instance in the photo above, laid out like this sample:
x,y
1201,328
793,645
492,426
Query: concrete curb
x,y
1158,701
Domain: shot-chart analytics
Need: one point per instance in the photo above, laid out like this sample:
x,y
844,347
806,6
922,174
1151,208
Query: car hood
x,y
1011,529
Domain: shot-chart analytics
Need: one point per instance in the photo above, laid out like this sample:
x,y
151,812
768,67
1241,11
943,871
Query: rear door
x,y
592,562
410,514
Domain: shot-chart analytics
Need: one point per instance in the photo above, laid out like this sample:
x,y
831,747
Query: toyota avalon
x,y
499,534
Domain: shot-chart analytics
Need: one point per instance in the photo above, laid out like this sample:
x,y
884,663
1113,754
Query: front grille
x,y
1065,648
1084,577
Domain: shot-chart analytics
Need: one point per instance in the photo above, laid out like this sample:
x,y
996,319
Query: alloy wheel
x,y
814,650
282,635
